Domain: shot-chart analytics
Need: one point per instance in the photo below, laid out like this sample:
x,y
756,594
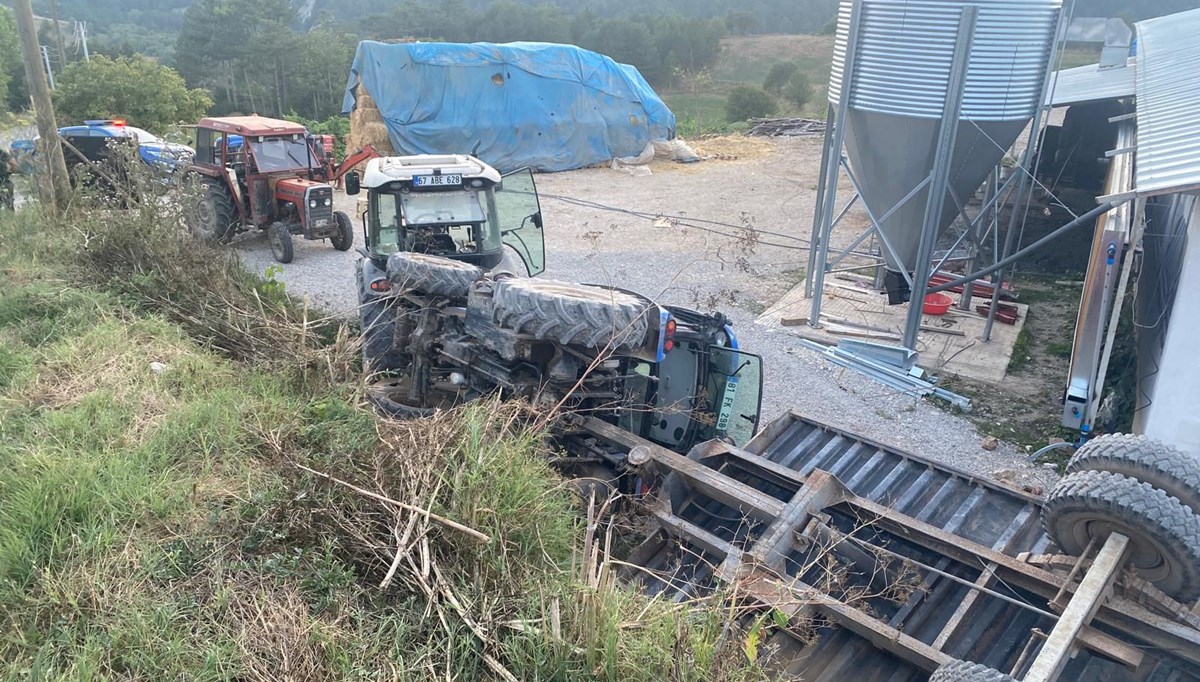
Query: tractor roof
x,y
392,168
253,125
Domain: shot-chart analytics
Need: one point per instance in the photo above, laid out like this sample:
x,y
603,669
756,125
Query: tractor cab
x,y
453,206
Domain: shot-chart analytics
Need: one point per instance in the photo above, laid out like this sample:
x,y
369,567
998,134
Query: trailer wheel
x,y
1164,535
966,671
281,242
432,274
1170,470
344,239
213,216
570,314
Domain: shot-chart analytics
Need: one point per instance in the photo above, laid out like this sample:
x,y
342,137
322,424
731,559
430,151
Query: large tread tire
x,y
571,314
344,239
966,671
432,274
214,217
1172,471
1164,535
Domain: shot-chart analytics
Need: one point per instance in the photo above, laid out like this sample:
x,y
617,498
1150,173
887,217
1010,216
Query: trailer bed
x,y
823,525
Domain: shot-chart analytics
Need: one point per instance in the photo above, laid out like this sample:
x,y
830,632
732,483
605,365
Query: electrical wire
x,y
691,223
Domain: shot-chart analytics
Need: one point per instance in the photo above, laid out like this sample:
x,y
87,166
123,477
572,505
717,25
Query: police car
x,y
154,151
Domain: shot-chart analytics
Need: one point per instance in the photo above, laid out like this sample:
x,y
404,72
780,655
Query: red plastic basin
x,y
937,304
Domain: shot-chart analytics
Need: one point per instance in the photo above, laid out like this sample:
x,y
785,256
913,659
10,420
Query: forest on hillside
x,y
152,26
290,57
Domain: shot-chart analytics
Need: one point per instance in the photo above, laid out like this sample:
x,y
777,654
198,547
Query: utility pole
x,y
39,91
83,39
58,41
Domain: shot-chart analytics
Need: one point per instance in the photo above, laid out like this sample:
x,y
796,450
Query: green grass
x,y
698,114
154,524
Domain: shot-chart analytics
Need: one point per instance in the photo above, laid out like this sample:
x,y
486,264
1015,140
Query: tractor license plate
x,y
320,222
437,180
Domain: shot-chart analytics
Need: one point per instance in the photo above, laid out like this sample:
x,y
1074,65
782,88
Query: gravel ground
x,y
708,267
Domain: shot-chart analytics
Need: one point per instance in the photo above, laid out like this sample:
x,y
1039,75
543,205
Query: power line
x,y
691,223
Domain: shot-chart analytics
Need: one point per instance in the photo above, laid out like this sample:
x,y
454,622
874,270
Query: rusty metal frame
x,y
757,568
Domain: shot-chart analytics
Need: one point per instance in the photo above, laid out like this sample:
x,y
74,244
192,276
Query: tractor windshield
x,y
281,154
444,223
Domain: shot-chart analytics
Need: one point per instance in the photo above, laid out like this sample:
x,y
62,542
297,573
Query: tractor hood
x,y
295,188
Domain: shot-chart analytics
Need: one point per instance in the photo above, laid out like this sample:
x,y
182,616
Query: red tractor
x,y
271,175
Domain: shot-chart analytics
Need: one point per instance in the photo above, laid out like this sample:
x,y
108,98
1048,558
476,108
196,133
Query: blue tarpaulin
x,y
545,106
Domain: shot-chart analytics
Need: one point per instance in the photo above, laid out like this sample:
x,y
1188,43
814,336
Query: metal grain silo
x,y
897,92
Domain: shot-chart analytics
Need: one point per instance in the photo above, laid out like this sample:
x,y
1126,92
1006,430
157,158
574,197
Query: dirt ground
x,y
728,234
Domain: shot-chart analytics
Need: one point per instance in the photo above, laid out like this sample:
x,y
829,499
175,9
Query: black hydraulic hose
x,y
1085,218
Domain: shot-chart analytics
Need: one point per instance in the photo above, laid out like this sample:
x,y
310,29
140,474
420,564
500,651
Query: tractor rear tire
x,y
432,274
1164,535
966,671
344,239
281,242
214,217
1170,470
571,314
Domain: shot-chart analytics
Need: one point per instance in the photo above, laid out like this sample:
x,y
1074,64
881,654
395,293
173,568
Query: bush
x,y
799,90
778,76
746,102
137,89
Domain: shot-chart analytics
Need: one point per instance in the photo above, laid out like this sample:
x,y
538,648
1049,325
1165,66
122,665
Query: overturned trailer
x,y
889,566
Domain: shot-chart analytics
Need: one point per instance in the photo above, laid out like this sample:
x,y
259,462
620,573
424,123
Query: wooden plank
x,y
1093,590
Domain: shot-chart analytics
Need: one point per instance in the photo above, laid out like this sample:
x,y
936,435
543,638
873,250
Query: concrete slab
x,y
953,344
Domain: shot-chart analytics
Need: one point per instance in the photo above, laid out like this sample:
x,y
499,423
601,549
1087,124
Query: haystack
x,y
367,126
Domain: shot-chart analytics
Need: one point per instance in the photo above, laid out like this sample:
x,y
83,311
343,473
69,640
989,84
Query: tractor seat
x,y
436,243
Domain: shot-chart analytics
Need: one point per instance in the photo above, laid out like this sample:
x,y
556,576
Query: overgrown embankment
x,y
190,490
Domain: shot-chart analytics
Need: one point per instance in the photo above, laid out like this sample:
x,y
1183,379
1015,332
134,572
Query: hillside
x,y
699,102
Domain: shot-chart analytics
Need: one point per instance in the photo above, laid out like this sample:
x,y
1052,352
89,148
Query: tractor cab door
x,y
519,217
735,384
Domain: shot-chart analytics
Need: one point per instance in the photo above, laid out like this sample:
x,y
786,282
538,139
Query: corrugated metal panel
x,y
1090,84
1168,104
992,632
906,47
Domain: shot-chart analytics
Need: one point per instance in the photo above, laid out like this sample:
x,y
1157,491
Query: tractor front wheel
x,y
344,239
281,242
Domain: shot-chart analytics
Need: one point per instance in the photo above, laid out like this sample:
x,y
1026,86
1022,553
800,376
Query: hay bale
x,y
365,109
367,126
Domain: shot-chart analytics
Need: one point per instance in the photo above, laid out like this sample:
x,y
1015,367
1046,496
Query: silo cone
x,y
898,92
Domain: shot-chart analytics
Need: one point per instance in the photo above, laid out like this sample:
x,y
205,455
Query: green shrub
x,y
778,76
746,102
798,90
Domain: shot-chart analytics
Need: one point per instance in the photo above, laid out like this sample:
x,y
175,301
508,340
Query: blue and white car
x,y
167,157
